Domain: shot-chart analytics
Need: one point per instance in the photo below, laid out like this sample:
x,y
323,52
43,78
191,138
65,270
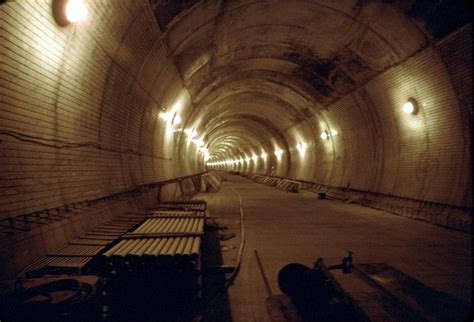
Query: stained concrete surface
x,y
287,227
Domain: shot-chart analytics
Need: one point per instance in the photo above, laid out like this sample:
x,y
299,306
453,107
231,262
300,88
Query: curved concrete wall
x,y
376,147
80,105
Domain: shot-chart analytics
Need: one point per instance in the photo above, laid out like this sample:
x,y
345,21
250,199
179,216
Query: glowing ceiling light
x,y
190,133
199,143
171,118
263,155
324,135
205,152
165,116
255,158
176,119
410,107
301,147
76,11
278,152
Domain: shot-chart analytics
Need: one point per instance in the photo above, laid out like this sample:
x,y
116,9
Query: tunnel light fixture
x,y
165,116
190,133
255,158
264,155
171,119
177,119
324,135
76,11
199,142
205,152
410,107
301,147
278,152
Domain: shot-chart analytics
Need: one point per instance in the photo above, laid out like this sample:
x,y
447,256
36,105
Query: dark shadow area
x,y
215,299
433,304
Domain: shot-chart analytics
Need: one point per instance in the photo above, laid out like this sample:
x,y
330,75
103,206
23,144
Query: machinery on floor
x,y
140,266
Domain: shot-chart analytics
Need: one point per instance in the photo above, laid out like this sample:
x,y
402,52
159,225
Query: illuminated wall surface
x,y
141,92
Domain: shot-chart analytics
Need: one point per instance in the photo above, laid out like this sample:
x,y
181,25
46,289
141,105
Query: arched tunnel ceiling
x,y
239,133
281,61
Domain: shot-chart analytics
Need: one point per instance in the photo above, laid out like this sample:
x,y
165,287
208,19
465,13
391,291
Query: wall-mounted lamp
x,y
301,147
176,119
278,153
69,11
171,119
199,143
410,107
324,135
263,155
190,133
205,152
76,11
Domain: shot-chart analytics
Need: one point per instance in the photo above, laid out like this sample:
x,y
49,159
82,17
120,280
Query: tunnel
x,y
291,129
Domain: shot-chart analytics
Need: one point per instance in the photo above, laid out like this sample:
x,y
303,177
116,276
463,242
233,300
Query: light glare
x,y
278,152
76,11
301,147
199,143
324,135
176,119
408,107
190,133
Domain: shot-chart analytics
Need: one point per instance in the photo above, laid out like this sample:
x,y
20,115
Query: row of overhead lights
x,y
172,119
301,147
410,107
76,11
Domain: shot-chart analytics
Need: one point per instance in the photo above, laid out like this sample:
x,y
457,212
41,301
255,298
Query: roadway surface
x,y
297,227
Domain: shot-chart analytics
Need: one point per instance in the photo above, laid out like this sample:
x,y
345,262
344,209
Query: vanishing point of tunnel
x,y
235,160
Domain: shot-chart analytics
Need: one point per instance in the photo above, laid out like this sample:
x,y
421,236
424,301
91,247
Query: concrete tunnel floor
x,y
297,227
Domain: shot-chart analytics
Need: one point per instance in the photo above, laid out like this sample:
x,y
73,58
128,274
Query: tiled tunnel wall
x,y
80,106
375,147
79,120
